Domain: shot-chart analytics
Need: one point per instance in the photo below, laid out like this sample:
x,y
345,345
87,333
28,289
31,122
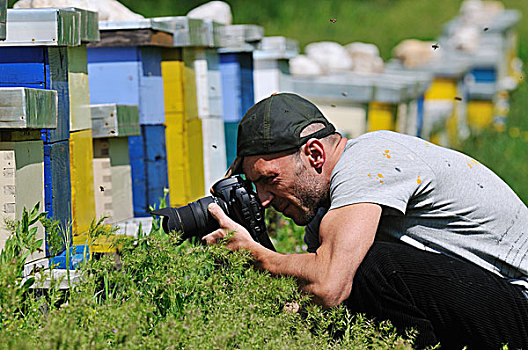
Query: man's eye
x,y
271,179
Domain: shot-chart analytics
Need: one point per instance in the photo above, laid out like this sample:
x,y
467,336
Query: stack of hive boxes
x,y
81,153
44,50
236,68
125,68
23,112
199,123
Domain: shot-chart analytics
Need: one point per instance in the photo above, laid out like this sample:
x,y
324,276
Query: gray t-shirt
x,y
437,197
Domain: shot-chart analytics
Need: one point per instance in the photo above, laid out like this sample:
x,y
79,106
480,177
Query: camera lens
x,y
192,220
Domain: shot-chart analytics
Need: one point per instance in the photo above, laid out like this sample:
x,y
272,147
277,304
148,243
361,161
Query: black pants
x,y
447,300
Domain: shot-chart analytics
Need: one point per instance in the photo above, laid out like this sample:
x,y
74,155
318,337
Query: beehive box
x,y
113,124
40,68
271,65
82,191
131,74
21,184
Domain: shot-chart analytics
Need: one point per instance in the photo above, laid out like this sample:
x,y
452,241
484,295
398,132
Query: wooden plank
x,y
189,85
138,37
21,74
113,179
112,54
127,120
230,130
246,70
57,79
155,162
20,135
22,54
23,108
7,191
121,179
195,158
267,78
139,180
236,70
214,153
151,103
29,157
172,72
231,80
78,87
82,191
57,188
103,189
114,82
176,140
214,80
177,162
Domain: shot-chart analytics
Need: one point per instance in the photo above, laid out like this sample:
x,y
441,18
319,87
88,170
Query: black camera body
x,y
237,199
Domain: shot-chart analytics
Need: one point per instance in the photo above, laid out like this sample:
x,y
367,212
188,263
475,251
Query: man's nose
x,y
265,197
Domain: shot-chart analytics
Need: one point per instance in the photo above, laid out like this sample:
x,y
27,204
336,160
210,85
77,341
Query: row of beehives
x,y
438,90
191,81
98,118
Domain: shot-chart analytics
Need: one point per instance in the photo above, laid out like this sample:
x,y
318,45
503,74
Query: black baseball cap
x,y
274,125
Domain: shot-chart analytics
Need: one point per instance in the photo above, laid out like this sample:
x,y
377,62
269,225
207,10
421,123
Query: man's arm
x,y
346,235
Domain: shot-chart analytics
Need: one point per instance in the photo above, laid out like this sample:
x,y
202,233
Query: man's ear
x,y
314,150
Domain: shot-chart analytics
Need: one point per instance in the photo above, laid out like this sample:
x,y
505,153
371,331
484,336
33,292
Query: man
x,y
397,228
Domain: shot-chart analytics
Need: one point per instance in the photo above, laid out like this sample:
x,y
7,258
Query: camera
x,y
237,199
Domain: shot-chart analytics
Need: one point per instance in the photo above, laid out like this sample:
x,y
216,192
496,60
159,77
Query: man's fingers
x,y
219,215
213,237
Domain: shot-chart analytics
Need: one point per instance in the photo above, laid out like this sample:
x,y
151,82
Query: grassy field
x,y
158,294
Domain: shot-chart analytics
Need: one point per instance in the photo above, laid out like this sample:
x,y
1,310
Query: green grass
x,y
156,293
505,152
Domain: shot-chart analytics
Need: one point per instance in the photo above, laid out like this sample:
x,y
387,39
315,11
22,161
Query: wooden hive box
x,y
125,68
23,111
237,43
113,124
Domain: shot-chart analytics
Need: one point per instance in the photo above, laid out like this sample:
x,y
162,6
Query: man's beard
x,y
311,192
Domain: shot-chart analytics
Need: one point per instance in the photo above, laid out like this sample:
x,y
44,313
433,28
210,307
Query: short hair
x,y
310,129
327,140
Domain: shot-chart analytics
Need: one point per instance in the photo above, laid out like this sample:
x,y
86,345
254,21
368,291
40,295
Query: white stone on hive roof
x,y
217,11
109,10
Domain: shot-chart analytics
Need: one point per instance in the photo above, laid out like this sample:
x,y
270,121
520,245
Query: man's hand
x,y
241,239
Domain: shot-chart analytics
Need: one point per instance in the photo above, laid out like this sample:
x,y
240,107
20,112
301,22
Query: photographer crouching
x,y
397,228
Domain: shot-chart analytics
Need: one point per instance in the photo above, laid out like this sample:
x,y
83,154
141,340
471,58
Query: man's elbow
x,y
332,294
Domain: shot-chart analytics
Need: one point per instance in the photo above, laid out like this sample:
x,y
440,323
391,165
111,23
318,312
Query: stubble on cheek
x,y
311,194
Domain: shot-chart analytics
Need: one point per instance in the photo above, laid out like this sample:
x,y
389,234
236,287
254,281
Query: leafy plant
x,y
23,242
18,247
157,293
